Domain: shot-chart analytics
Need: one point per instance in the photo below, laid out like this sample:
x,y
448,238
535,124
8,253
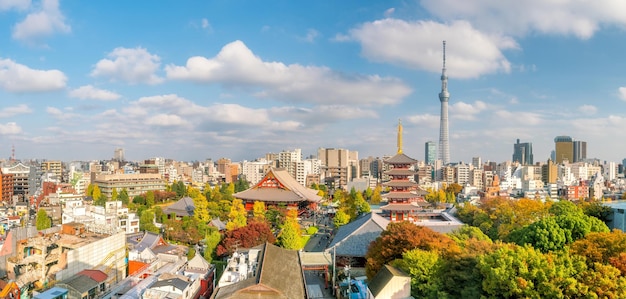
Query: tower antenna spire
x,y
399,136
444,97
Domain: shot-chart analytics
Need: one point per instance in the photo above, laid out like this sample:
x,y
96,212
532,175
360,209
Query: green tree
x,y
544,235
368,193
43,221
421,265
212,239
290,235
237,217
362,206
146,222
149,198
123,197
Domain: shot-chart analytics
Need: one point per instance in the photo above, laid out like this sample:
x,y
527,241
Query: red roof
x,y
96,275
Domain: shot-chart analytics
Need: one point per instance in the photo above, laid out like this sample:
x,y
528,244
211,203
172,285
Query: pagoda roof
x,y
400,207
403,183
400,171
400,159
279,186
403,195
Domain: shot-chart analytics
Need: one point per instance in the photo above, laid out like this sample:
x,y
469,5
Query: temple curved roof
x,y
400,159
279,186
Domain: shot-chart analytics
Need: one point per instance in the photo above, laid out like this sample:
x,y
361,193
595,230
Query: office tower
x,y
523,153
580,151
340,165
118,155
477,162
564,149
444,96
430,152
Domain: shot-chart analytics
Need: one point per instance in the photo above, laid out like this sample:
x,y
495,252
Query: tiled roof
x,y
406,183
400,171
183,207
96,275
400,159
292,191
354,238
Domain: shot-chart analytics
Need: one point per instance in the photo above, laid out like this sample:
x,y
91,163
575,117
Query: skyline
x,y
238,79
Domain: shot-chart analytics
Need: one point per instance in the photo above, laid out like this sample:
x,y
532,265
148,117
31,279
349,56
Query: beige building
x,y
341,164
54,167
135,183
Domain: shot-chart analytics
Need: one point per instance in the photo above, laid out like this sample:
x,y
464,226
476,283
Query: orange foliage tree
x,y
401,237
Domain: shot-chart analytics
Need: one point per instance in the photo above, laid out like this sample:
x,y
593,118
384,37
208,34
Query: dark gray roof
x,y
384,277
174,281
395,183
218,223
354,238
183,207
278,185
400,171
80,283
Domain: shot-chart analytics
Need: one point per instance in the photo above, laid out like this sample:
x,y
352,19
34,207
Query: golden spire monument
x,y
399,136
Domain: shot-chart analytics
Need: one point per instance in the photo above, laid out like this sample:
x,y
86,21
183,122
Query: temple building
x,y
402,200
279,188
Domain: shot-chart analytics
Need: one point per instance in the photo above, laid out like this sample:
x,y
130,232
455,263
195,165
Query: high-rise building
x,y
477,162
564,149
523,153
340,164
580,151
118,155
444,96
430,152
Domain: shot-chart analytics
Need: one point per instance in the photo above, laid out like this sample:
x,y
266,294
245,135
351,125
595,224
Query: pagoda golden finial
x,y
399,136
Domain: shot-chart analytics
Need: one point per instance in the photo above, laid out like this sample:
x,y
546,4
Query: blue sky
x,y
193,80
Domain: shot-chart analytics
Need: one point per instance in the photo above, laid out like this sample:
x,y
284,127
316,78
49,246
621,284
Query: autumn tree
x,y
201,211
599,247
376,197
341,218
290,236
43,221
258,211
114,194
253,234
398,238
237,217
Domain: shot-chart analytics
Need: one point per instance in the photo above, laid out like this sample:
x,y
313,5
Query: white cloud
x,y
16,77
428,120
505,118
588,109
389,12
14,4
469,52
129,65
166,120
10,128
578,18
310,36
206,25
622,93
236,66
92,93
462,110
15,110
44,22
